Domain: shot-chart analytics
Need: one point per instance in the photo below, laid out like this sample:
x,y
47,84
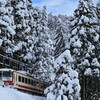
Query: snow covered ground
x,y
12,94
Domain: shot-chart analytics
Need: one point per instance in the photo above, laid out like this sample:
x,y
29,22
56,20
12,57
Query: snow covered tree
x,y
30,37
84,41
59,44
59,27
21,18
98,29
98,14
44,45
47,44
65,79
36,27
7,26
84,36
51,21
98,9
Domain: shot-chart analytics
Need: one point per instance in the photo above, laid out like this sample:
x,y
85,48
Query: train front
x,y
6,75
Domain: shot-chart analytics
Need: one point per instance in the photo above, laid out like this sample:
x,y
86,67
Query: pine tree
x,y
30,36
59,44
48,52
84,39
98,28
65,83
84,36
21,18
51,21
7,26
98,14
44,45
98,9
36,28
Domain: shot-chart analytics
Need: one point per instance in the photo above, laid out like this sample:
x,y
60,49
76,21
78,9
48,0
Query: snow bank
x,y
12,94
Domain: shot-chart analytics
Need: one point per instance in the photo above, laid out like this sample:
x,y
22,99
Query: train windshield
x,y
6,74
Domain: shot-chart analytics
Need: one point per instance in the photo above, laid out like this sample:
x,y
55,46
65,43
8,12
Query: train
x,y
22,81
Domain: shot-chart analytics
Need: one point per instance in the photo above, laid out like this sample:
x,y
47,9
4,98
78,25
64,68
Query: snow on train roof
x,y
24,72
6,69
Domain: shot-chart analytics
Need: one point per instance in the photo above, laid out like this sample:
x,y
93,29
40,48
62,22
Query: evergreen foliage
x,y
59,39
84,43
24,32
21,18
84,36
7,26
38,38
98,29
44,45
65,82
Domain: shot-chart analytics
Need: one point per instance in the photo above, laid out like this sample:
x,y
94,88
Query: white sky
x,y
59,6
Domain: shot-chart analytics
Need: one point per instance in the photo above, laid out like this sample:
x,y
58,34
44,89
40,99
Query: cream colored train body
x,y
22,81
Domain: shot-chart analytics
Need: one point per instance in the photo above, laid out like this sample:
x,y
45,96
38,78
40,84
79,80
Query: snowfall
x,y
7,93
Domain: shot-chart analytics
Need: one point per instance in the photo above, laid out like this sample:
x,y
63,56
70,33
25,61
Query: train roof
x,y
24,73
6,69
19,71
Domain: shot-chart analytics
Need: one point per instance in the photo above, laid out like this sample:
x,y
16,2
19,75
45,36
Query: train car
x,y
22,81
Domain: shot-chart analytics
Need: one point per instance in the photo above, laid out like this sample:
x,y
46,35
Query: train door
x,y
15,79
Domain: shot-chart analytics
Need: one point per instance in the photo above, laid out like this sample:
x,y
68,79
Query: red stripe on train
x,y
8,82
29,88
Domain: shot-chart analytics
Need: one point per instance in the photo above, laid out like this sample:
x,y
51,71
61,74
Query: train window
x,y
26,80
23,79
6,74
0,74
35,83
19,78
41,85
38,84
29,81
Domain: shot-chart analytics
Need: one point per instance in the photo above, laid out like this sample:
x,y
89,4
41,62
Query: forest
x,y
61,49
